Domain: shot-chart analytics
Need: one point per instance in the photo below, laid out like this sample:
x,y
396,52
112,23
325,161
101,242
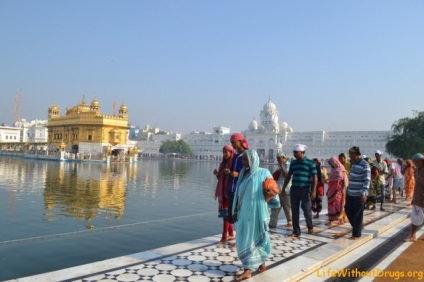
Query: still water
x,y
55,215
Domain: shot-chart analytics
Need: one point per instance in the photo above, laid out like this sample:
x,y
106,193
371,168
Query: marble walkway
x,y
292,259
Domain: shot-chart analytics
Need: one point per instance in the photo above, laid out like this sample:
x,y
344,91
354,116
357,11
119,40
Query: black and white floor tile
x,y
215,262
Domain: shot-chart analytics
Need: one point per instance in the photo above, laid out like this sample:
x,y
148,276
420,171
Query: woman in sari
x,y
336,193
322,178
251,216
409,179
221,192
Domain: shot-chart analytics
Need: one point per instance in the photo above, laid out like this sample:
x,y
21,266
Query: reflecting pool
x,y
55,215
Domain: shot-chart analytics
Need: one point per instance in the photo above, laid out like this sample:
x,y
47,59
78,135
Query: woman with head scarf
x,y
336,193
409,179
251,216
417,213
221,192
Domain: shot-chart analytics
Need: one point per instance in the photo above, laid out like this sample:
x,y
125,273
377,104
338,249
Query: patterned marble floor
x,y
207,260
215,262
323,229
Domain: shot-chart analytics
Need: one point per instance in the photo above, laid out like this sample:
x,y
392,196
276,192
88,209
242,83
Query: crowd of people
x,y
250,198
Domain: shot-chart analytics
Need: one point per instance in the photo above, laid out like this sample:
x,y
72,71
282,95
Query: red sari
x,y
221,193
337,182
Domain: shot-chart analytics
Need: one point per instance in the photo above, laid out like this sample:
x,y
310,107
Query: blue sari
x,y
252,238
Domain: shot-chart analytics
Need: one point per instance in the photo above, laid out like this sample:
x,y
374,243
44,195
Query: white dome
x,y
290,129
270,106
284,125
253,124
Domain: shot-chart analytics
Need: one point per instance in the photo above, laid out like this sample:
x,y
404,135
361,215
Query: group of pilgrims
x,y
250,198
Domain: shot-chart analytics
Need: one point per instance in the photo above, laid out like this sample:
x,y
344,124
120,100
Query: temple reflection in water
x,y
85,191
76,196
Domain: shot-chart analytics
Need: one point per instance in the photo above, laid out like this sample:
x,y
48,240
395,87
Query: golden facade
x,y
85,123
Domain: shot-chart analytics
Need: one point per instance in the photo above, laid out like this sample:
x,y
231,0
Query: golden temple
x,y
85,130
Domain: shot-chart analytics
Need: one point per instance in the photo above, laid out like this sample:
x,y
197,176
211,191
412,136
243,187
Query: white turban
x,y
281,154
378,152
299,147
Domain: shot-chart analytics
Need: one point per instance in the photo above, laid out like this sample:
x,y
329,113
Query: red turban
x,y
239,137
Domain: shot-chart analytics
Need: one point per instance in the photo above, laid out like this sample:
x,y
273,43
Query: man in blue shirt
x,y
303,174
357,191
239,144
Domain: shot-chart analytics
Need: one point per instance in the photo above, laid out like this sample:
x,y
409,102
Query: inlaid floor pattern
x,y
216,262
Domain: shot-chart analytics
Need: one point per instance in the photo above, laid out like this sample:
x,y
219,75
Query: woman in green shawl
x,y
252,217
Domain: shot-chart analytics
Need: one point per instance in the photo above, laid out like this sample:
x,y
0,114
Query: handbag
x,y
270,189
274,202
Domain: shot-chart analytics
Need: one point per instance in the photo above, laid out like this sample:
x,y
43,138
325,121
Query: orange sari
x,y
409,179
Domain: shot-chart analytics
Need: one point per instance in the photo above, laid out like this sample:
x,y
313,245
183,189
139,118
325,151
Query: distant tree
x,y
178,147
408,136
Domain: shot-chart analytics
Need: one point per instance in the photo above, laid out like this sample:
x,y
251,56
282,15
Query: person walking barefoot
x,y
221,193
255,188
417,214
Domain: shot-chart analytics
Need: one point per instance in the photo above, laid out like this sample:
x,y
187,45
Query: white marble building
x,y
10,134
25,131
33,131
270,135
204,145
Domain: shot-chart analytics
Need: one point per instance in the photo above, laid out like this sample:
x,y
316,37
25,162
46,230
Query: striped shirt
x,y
359,179
302,173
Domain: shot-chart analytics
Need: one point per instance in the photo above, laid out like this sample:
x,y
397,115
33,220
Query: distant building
x,y
33,131
204,145
10,134
269,136
208,145
84,129
133,132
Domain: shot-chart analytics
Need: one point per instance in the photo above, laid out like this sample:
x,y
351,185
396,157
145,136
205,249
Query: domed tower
x,y
54,111
269,117
123,111
253,126
95,106
83,107
283,126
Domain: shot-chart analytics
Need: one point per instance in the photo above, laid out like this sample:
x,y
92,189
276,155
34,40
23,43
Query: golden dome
x,y
95,103
54,107
123,107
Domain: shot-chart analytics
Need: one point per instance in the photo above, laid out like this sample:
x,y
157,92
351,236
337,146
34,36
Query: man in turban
x,y
301,171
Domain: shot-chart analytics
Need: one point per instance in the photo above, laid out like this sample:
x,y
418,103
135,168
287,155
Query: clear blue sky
x,y
186,65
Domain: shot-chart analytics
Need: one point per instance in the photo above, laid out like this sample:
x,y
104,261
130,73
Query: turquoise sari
x,y
252,238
